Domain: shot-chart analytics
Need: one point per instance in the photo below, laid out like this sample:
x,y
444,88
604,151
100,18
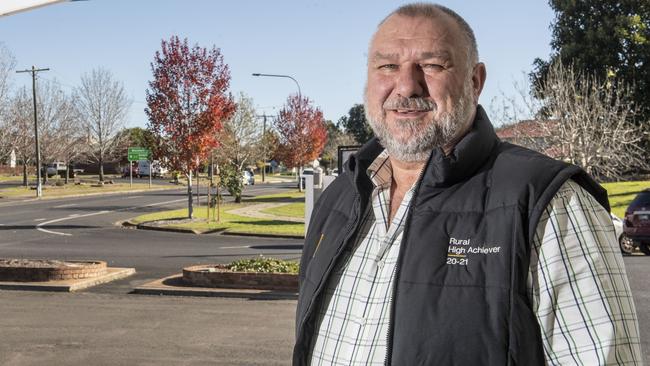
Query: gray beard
x,y
425,136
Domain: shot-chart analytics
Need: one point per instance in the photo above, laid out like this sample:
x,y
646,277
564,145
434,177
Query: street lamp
x,y
282,76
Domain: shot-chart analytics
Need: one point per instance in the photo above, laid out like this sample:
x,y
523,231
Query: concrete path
x,y
255,211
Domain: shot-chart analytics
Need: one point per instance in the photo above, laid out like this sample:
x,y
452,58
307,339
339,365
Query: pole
x,y
264,151
264,147
150,172
39,187
130,174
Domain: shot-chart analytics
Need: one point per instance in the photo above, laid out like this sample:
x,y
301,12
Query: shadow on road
x,y
30,227
278,247
225,255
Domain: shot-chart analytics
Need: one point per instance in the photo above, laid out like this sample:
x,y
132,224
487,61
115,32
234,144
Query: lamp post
x,y
299,98
282,76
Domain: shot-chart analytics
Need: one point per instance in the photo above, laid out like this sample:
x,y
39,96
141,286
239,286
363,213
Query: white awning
x,y
8,7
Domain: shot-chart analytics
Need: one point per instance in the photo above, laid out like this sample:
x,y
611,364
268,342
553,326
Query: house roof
x,y
527,128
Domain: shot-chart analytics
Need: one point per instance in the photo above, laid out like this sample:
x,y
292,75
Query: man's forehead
x,y
398,30
387,55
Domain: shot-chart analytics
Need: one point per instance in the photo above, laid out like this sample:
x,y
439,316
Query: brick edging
x,y
222,278
88,269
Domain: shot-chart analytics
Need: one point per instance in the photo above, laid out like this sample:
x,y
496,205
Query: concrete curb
x,y
144,226
112,274
280,236
174,286
2,204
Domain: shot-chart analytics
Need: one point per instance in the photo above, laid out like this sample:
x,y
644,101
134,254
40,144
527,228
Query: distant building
x,y
12,159
532,134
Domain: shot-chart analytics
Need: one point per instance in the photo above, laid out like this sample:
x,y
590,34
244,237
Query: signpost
x,y
135,154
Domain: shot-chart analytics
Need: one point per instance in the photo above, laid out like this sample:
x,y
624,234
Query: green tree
x,y
139,137
335,138
355,123
231,179
609,39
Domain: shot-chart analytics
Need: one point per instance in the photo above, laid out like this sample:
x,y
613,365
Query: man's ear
x,y
478,79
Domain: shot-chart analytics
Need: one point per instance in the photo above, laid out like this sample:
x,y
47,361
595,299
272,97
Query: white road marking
x,y
129,197
67,205
43,219
74,216
39,228
238,247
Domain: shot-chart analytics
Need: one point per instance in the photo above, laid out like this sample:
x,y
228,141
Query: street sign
x,y
138,153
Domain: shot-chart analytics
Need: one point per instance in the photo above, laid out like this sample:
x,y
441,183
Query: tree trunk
x,y
24,174
190,210
67,172
198,188
101,170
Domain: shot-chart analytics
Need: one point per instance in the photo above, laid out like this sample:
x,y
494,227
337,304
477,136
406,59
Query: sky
x,y
321,44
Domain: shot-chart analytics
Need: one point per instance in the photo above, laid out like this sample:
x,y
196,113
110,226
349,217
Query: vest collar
x,y
466,158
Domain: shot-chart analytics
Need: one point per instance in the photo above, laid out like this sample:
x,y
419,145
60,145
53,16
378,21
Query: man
x,y
442,245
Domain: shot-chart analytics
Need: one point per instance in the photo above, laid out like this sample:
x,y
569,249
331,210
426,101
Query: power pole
x,y
264,147
39,187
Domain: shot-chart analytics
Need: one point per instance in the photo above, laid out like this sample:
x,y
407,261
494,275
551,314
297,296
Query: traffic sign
x,y
138,153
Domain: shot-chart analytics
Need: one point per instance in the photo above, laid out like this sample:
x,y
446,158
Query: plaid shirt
x,y
577,285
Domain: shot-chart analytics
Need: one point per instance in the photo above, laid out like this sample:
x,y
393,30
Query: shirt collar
x,y
380,171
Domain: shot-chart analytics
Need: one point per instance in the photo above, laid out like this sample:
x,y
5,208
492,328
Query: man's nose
x,y
410,82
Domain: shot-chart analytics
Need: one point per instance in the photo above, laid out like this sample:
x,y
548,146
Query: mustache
x,y
413,104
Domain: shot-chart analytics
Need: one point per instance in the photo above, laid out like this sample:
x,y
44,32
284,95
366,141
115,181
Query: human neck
x,y
405,173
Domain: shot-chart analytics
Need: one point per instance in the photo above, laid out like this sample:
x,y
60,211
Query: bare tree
x,y
57,123
7,64
102,107
21,130
585,121
239,140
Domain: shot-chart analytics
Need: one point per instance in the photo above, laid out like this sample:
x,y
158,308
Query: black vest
x,y
460,287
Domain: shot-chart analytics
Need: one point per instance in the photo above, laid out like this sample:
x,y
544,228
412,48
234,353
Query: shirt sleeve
x,y
578,286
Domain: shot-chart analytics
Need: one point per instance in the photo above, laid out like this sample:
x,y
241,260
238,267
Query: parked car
x,y
306,171
248,178
134,171
624,242
154,168
636,223
55,168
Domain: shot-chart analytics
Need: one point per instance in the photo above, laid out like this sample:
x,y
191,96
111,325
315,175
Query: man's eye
x,y
388,67
432,67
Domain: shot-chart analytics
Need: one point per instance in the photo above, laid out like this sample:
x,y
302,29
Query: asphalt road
x,y
106,325
85,228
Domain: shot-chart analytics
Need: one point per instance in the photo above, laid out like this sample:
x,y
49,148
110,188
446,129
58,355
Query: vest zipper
x,y
350,229
391,320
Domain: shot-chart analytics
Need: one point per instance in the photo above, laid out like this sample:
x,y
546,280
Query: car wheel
x,y
645,248
626,244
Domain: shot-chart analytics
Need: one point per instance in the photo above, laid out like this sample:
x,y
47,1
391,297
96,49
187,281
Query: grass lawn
x,y
15,178
234,223
296,209
72,190
622,193
229,222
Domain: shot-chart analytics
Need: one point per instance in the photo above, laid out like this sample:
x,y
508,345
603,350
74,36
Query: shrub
x,y
264,265
230,177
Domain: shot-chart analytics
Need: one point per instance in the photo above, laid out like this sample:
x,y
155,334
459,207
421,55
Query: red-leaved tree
x,y
186,102
302,132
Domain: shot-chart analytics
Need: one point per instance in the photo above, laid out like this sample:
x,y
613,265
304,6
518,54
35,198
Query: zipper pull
x,y
318,245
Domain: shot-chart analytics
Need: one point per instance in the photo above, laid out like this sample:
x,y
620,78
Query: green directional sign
x,y
138,153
